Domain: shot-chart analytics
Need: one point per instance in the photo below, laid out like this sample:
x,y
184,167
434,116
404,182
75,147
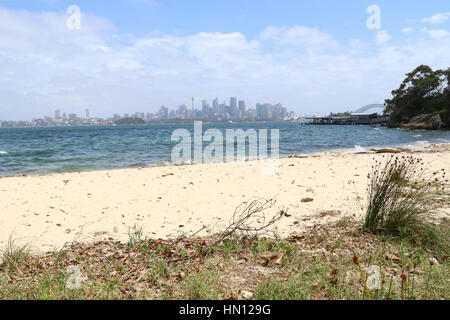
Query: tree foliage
x,y
423,91
129,121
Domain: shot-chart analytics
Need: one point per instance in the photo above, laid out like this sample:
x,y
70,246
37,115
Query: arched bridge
x,y
369,107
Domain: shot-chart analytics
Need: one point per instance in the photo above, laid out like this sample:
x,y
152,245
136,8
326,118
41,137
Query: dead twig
x,y
248,218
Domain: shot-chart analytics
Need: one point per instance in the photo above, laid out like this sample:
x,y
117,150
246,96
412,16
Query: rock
x,y
424,121
390,150
246,294
306,200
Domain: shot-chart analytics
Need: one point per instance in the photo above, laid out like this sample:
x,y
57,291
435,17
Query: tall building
x,y
87,114
205,109
259,111
234,111
242,111
222,109
164,113
182,112
57,114
215,105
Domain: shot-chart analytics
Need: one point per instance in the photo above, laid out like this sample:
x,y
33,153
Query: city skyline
x,y
213,110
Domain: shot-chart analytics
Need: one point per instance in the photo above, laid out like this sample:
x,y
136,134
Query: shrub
x,y
399,195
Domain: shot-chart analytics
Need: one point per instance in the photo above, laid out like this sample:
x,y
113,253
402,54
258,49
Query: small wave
x,y
421,143
2,153
176,163
417,136
358,149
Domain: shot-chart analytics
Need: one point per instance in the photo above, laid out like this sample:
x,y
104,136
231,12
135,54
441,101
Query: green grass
x,y
14,256
202,286
135,237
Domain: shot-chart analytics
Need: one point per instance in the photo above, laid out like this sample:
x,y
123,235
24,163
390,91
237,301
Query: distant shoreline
x,y
171,122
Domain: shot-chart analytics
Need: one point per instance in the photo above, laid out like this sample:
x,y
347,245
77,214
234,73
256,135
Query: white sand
x,y
47,212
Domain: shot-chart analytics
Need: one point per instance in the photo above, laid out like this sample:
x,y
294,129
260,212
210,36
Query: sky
x,y
126,56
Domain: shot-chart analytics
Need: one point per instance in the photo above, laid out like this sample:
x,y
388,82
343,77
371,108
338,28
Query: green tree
x,y
129,121
423,91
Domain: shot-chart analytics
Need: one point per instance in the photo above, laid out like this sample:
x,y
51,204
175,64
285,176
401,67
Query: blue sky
x,y
135,55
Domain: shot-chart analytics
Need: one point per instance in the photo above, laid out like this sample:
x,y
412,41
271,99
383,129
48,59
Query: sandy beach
x,y
52,210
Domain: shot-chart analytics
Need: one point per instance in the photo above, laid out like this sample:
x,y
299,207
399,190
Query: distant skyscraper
x,y
242,111
234,111
259,111
233,102
164,113
215,105
205,109
222,109
57,114
182,112
87,114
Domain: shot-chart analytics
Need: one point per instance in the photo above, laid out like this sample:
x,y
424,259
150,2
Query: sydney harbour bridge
x,y
376,108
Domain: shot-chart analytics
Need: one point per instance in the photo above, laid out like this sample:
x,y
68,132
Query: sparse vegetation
x,y
315,265
135,237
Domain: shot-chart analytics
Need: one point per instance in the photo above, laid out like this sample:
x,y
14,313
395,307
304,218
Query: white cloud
x,y
45,66
408,30
437,18
298,36
435,33
382,37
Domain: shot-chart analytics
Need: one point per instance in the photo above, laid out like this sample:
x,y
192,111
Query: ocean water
x,y
65,149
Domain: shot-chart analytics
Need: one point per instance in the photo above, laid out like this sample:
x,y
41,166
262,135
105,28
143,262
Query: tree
x,y
447,97
423,91
129,121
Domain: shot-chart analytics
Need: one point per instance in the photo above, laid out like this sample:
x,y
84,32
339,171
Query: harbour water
x,y
33,151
